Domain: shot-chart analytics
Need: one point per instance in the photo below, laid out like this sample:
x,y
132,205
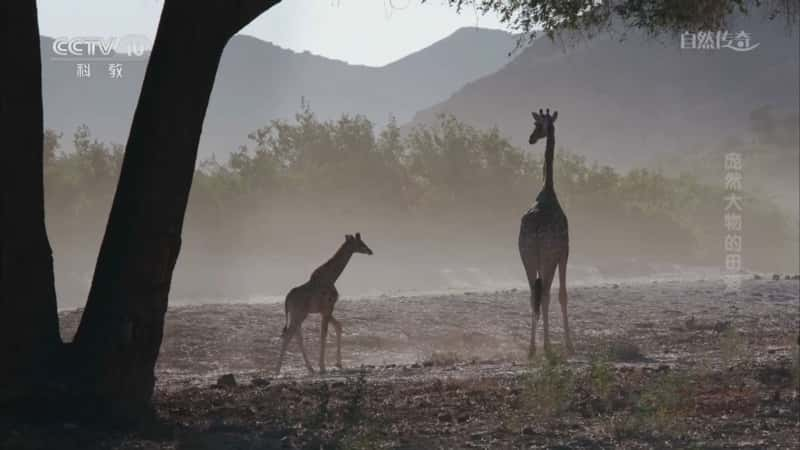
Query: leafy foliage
x,y
549,387
653,16
81,182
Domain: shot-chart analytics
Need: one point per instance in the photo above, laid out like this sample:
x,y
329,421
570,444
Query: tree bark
x,y
29,334
118,340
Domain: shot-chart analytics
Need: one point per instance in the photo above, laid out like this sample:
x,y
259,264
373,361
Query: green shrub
x,y
548,387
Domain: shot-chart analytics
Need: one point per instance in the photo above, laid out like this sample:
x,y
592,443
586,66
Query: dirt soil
x,y
662,364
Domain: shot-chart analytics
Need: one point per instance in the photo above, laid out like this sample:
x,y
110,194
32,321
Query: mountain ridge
x,y
622,103
259,81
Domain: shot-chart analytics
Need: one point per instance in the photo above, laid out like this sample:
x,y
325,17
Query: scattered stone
x,y
721,326
595,405
774,375
423,403
477,436
226,381
260,382
624,351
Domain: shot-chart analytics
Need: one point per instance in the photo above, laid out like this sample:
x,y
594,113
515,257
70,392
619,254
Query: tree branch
x,y
248,10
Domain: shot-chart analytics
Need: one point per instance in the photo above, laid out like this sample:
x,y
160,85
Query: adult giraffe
x,y
544,240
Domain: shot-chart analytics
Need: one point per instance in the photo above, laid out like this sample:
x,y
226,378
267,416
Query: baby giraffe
x,y
319,295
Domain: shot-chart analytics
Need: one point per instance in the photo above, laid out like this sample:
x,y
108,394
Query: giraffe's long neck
x,y
548,160
329,272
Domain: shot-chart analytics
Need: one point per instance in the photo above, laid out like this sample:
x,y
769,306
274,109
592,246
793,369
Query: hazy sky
x,y
368,32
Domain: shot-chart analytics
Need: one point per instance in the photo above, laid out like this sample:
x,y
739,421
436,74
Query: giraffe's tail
x,y
537,296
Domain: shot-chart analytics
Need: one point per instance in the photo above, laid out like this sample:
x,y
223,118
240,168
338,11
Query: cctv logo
x,y
96,47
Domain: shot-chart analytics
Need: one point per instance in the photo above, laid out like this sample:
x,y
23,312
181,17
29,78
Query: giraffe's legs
x,y
303,349
562,299
546,321
534,320
323,338
531,264
338,327
547,282
286,338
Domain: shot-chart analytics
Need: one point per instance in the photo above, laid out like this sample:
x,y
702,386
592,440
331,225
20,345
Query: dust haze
x,y
440,205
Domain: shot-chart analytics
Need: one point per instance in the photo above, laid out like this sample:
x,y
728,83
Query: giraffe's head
x,y
542,125
356,245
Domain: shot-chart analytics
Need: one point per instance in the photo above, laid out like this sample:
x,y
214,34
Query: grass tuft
x,y
621,350
548,386
442,359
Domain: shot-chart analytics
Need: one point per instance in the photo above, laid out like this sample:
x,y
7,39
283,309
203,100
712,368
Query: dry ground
x,y
658,365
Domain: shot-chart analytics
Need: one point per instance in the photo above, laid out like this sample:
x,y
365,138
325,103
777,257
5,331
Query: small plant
x,y
323,397
368,440
442,359
795,349
731,345
549,388
353,411
664,400
624,426
352,435
621,350
601,376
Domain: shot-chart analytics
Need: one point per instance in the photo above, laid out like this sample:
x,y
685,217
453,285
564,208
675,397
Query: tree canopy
x,y
652,16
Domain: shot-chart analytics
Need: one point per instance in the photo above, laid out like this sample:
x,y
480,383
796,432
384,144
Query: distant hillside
x,y
623,103
258,81
770,151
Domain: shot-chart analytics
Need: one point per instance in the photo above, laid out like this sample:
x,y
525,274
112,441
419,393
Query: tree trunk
x,y
110,363
118,340
29,334
120,333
